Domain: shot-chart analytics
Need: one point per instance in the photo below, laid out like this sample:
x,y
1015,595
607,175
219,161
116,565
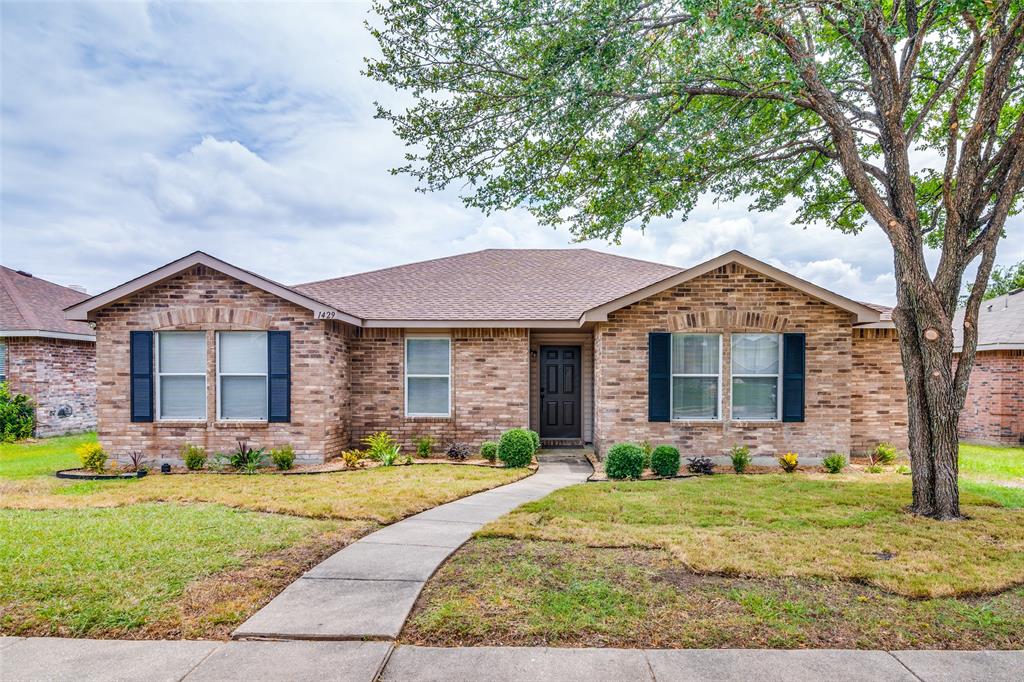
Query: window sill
x,y
241,423
428,418
756,422
178,423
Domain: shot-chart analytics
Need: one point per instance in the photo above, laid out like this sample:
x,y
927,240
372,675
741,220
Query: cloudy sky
x,y
133,134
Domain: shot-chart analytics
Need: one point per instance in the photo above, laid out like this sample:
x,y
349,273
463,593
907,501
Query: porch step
x,y
565,456
561,443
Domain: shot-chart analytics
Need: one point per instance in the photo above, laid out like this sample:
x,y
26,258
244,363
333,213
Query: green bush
x,y
665,460
648,449
625,460
17,415
535,438
92,456
740,456
245,459
283,458
834,463
516,447
885,453
194,456
425,446
489,450
874,469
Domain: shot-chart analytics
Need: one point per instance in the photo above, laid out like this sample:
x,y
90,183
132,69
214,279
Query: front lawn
x,y
41,457
991,463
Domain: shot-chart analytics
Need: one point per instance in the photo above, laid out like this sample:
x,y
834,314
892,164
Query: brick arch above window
x,y
718,319
210,317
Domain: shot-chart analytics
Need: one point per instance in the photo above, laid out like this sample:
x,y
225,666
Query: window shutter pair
x,y
659,376
279,380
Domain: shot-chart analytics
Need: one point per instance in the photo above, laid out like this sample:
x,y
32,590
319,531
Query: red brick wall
x,y
878,392
730,299
202,299
60,377
994,409
490,391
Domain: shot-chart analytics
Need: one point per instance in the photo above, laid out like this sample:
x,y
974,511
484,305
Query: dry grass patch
x,y
383,494
832,527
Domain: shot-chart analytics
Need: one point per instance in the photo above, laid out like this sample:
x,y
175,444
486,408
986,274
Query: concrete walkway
x,y
366,590
82,660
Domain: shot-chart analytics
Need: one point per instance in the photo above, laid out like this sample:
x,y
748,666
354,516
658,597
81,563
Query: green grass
x,y
535,593
992,463
107,572
40,457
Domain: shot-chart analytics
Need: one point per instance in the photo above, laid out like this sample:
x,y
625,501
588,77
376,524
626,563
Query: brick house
x,y
582,346
46,356
993,412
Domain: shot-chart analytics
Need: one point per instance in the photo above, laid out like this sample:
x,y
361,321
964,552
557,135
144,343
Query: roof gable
x,y
82,310
30,306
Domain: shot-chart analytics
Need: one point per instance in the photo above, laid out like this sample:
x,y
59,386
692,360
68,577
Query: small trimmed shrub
x,y
740,456
700,465
834,463
624,460
516,447
283,458
665,460
425,446
884,453
458,452
92,456
352,458
535,438
17,415
194,456
789,462
489,451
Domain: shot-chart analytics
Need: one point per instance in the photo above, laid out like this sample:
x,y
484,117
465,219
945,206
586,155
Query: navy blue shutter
x,y
659,376
794,359
141,359
279,379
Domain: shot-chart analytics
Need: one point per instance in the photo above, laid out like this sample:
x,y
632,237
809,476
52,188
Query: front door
x,y
560,392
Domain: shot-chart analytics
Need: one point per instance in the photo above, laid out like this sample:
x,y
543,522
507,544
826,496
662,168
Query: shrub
x,y
789,462
92,456
535,438
648,449
489,450
516,447
388,456
283,458
884,453
625,460
874,469
903,469
665,460
246,459
194,456
219,461
379,444
700,465
352,458
740,456
458,452
834,463
17,415
425,446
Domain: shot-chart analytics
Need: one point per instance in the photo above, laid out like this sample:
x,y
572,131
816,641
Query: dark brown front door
x,y
560,392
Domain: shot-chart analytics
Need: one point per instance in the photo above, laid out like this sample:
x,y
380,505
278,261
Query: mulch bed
x,y
331,466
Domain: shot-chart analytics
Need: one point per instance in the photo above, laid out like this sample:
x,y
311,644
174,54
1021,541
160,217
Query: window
x,y
756,376
696,372
427,377
242,375
181,375
3,362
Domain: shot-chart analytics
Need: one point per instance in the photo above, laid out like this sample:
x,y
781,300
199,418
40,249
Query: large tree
x,y
907,115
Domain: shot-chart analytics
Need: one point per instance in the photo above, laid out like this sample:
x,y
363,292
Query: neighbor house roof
x,y
1000,323
30,306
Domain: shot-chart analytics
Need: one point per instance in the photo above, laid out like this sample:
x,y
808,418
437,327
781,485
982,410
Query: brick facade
x,y
490,386
993,411
729,299
878,392
202,299
60,377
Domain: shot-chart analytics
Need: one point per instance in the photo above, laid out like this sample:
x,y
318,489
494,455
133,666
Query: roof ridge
x,y
26,313
400,265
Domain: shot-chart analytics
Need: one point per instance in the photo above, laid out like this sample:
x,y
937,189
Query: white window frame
x,y
674,374
160,375
3,360
266,383
447,376
778,380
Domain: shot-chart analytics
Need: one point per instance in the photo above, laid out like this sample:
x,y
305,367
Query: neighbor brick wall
x,y
203,299
878,392
60,377
490,393
994,408
729,299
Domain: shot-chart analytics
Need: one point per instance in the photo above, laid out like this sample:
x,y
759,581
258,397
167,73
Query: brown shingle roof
x,y
28,303
493,284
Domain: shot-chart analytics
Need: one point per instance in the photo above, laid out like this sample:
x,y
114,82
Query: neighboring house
x,y
994,409
584,347
46,356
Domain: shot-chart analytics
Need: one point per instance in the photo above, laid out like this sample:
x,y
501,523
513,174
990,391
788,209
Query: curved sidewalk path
x,y
366,590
